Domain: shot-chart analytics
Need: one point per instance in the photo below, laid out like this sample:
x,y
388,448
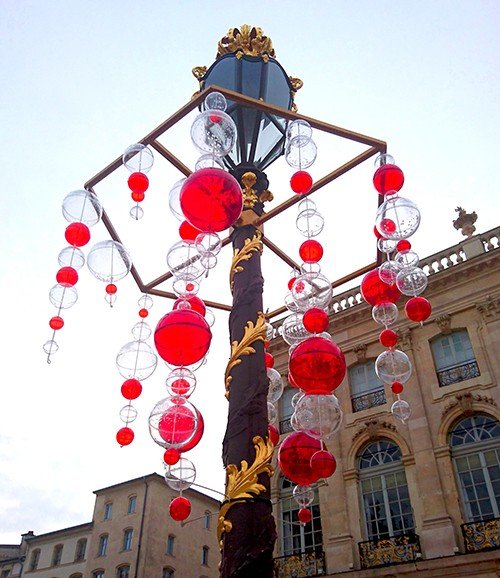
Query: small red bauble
x,y
375,291
376,232
418,309
143,313
180,386
388,178
294,458
388,338
56,323
125,436
311,251
131,389
387,226
195,302
171,456
268,359
403,246
187,232
323,464
315,320
273,433
291,282
77,234
138,183
138,197
304,515
67,276
111,288
397,387
180,508
301,182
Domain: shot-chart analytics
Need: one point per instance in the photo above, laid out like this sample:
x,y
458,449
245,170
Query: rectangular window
x,y
103,544
366,388
35,556
204,556
127,539
81,546
170,545
132,501
108,510
57,555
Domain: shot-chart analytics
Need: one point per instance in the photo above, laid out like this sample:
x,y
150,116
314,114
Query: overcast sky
x,y
84,79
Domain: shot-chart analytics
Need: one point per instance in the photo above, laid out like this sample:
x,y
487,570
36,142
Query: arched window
x,y
204,555
57,555
167,572
98,574
206,520
77,575
123,571
454,358
132,503
366,388
386,502
108,510
127,538
103,545
81,546
475,446
286,409
296,538
35,557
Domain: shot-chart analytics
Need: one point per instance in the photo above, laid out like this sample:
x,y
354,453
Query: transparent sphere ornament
x,y
141,331
311,269
290,303
110,298
397,218
145,302
50,347
312,291
300,156
310,223
174,200
407,260
388,272
293,330
128,413
319,416
208,260
136,212
303,495
136,360
213,131
215,101
383,159
272,413
173,422
300,130
208,161
109,261
181,381
208,243
63,297
386,245
393,365
401,410
385,313
186,288
138,158
412,282
296,398
306,204
209,317
276,385
294,424
82,206
71,257
180,476
183,261
269,331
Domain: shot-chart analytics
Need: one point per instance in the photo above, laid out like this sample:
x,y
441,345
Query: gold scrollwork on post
x,y
243,484
244,254
249,40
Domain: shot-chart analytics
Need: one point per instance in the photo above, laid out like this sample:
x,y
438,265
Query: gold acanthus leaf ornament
x,y
249,40
252,334
243,484
244,254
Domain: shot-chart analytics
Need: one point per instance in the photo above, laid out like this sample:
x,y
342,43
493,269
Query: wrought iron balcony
x,y
458,373
367,400
387,551
285,426
300,565
484,535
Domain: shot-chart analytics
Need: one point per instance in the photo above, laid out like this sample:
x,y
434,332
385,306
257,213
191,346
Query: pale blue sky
x,y
84,79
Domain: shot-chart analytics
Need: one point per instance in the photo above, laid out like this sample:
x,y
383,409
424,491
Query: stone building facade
x,y
420,498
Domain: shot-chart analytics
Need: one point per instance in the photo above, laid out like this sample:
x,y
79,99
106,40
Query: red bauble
x,y
317,365
418,309
268,359
397,387
323,464
304,515
387,226
179,509
311,251
171,456
111,288
131,389
294,458
180,386
291,282
375,291
211,200
388,178
291,381
187,232
138,197
138,183
195,440
77,234
376,232
177,425
143,313
56,323
315,320
195,302
403,246
274,434
67,276
301,182
182,337
125,436
388,338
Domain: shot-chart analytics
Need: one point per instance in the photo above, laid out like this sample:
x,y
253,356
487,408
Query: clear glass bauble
x,y
311,291
386,245
136,212
293,330
141,331
383,159
272,413
82,206
138,158
385,313
63,297
407,260
401,410
397,218
71,257
110,299
306,204
173,422
208,161
214,132
136,360
276,385
310,269
303,495
310,223
215,101
50,347
128,413
209,317
145,302
296,398
269,331
186,288
294,423
181,381
180,476
300,130
183,261
300,156
209,261
290,303
388,272
412,282
393,365
174,200
109,261
208,243
319,416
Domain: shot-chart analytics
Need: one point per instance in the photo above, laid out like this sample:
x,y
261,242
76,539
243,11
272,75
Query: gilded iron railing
x,y
458,373
300,565
367,400
483,535
387,551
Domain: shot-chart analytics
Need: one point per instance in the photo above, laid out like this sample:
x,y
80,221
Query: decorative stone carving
x,y
490,308
373,429
466,402
444,323
404,339
465,222
360,351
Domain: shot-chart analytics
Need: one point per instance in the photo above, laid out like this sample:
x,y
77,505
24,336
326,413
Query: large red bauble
x,y
187,232
179,508
304,515
418,309
195,440
315,320
138,183
374,291
177,425
195,302
131,389
323,464
274,434
77,234
125,436
301,182
317,365
211,200
182,337
294,458
311,251
388,178
67,276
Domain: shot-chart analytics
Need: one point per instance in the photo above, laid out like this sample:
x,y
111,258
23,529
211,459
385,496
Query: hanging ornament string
x,y
138,159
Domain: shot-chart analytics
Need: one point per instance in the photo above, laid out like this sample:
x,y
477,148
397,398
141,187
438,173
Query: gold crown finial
x,y
249,40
